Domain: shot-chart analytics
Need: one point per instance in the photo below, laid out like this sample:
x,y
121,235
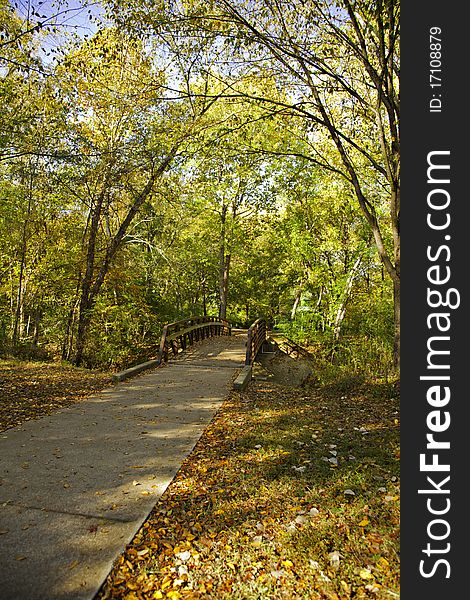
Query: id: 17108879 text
x,y
435,69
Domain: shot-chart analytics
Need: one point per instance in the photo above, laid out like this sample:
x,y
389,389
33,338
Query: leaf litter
x,y
241,522
30,390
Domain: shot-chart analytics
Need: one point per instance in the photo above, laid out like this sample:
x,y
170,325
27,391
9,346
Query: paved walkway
x,y
76,486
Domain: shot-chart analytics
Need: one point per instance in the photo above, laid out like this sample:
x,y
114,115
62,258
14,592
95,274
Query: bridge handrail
x,y
257,335
181,334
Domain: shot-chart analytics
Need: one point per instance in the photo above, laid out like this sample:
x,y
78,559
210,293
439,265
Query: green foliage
x,y
253,188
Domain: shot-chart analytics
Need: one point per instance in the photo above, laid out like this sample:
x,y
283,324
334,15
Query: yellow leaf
x,y
383,563
364,522
132,586
287,563
232,566
158,595
365,574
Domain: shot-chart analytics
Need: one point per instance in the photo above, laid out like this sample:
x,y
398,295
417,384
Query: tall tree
x,y
338,62
118,125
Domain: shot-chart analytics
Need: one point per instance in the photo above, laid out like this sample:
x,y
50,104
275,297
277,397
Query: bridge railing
x,y
257,335
181,334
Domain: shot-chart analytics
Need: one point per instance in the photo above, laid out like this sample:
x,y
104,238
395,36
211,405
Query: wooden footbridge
x,y
181,335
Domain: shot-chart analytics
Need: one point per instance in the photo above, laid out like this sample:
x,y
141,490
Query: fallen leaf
x,y
287,563
365,574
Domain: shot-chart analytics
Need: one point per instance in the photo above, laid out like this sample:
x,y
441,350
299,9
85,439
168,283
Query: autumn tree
x,y
338,63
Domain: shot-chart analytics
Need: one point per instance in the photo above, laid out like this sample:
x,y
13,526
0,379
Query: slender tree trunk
x,y
341,312
396,306
86,299
297,298
93,277
37,323
21,280
223,273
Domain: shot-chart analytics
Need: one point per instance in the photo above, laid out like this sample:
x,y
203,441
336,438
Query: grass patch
x,y
290,493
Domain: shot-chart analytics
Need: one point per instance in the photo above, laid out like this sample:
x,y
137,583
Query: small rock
x,y
301,520
349,492
334,559
313,512
184,556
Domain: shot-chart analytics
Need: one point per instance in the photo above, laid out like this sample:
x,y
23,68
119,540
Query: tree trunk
x,y
223,273
341,312
396,310
21,280
204,297
37,324
298,296
91,284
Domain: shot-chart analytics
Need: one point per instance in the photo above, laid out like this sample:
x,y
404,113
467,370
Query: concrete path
x,y
76,486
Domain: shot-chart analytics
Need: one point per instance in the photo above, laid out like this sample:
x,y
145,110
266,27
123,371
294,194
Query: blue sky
x,y
67,17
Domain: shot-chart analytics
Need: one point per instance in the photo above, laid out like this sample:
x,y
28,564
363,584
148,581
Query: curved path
x,y
76,486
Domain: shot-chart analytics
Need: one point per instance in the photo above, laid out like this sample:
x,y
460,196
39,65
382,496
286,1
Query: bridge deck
x,y
77,485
